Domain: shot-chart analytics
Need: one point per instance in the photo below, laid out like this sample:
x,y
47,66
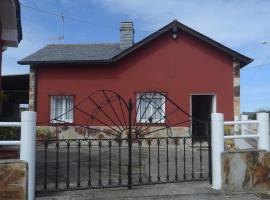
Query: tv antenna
x,y
62,29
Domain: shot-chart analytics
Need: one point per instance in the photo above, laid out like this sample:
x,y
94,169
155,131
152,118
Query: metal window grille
x,y
151,108
61,109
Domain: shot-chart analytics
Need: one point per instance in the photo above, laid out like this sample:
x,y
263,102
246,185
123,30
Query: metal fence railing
x,y
70,164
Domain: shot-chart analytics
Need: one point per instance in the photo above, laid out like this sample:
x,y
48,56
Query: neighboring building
x,y
10,26
10,36
16,90
198,73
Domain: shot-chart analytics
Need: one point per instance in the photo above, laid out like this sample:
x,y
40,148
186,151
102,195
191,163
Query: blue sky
x,y
240,25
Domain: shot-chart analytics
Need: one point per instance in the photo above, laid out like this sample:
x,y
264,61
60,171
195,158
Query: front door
x,y
202,107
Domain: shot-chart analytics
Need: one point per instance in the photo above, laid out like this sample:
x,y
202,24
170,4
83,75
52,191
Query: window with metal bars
x,y
151,108
61,109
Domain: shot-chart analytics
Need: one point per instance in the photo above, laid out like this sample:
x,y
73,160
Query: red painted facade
x,y
178,67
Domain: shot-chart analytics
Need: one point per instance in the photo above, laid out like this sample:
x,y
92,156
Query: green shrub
x,y
44,133
228,130
9,133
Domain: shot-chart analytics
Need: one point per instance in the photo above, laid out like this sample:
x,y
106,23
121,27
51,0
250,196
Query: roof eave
x,y
244,60
18,17
65,62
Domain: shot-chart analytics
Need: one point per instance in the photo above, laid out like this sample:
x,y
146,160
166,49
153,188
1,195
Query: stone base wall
x,y
246,170
101,132
236,87
13,179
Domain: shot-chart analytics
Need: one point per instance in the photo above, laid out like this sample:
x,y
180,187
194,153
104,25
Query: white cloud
x,y
233,22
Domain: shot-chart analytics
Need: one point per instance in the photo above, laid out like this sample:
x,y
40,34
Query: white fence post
x,y
263,131
217,134
28,148
236,127
243,126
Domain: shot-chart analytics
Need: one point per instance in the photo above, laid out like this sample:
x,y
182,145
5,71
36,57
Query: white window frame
x,y
66,113
139,112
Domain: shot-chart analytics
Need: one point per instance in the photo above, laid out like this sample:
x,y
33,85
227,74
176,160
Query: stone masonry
x,y
103,132
236,87
126,35
246,170
32,89
13,179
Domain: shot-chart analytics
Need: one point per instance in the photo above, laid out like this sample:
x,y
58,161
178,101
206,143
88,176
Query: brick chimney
x,y
126,35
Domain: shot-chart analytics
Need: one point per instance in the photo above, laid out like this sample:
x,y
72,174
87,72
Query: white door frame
x,y
214,101
213,107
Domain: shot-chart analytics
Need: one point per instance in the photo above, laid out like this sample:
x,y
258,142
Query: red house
x,y
199,74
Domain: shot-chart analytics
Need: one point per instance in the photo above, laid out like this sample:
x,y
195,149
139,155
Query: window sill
x,y
61,123
152,123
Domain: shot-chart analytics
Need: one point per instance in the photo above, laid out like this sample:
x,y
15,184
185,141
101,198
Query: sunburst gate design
x,y
143,144
109,109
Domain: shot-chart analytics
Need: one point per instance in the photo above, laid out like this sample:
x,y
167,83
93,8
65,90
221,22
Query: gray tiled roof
x,y
74,52
107,53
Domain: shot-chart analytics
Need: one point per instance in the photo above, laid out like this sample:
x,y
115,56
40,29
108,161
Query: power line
x,y
80,20
60,16
252,76
255,66
258,69
258,99
88,22
40,10
66,17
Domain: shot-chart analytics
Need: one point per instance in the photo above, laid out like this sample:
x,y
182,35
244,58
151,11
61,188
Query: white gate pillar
x,y
236,127
28,148
263,131
217,134
244,126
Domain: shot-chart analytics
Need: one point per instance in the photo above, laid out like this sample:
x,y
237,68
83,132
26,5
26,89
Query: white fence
x,y
217,134
28,141
27,145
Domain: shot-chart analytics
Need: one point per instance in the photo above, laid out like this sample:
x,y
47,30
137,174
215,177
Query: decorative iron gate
x,y
123,144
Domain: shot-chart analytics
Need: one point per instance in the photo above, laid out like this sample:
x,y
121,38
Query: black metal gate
x,y
123,144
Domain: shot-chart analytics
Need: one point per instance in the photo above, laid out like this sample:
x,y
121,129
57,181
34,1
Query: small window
x,y
151,108
61,109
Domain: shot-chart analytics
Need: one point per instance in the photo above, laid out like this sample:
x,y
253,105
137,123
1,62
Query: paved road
x,y
180,191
